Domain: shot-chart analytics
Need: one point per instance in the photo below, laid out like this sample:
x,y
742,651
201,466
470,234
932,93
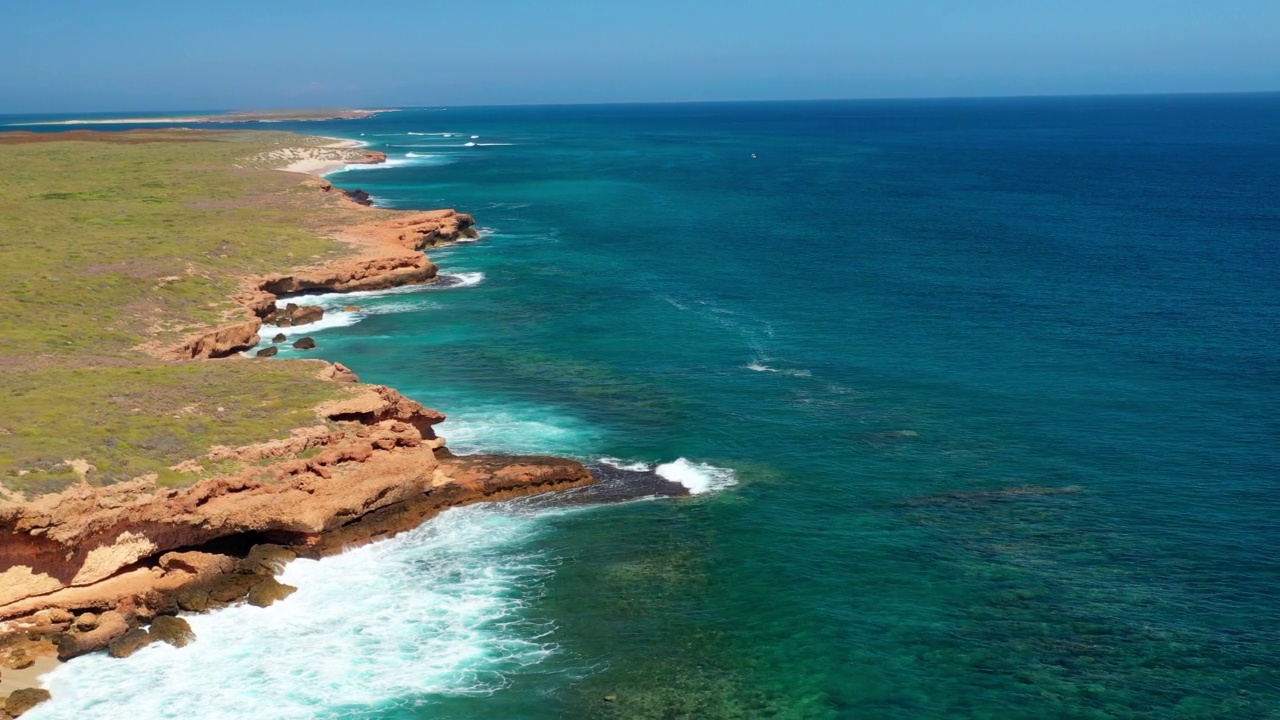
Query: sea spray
x,y
519,428
699,478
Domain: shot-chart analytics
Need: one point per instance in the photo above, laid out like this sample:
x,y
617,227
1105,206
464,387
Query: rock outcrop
x,y
371,471
418,230
20,701
293,315
392,255
377,273
172,630
359,197
223,342
389,254
337,372
129,643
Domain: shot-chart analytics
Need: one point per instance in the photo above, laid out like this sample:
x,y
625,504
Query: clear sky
x,y
104,55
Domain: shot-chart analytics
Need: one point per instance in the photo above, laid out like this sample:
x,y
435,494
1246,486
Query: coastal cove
x,y
967,405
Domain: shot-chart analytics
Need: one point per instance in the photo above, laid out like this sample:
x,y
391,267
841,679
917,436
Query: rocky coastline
x,y
110,568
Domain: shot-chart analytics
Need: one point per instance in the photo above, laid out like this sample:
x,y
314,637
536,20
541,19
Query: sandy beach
x,y
27,677
319,161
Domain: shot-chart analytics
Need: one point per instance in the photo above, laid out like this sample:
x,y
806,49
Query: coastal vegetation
x,y
112,245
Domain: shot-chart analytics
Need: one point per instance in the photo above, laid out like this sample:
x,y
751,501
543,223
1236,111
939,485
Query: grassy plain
x,y
110,241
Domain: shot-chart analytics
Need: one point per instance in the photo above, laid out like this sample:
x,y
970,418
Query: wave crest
x,y
759,367
699,478
624,465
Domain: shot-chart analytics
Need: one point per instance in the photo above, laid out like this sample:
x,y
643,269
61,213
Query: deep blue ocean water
x,y
997,382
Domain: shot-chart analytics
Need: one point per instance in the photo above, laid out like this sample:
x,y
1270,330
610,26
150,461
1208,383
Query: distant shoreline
x,y
265,116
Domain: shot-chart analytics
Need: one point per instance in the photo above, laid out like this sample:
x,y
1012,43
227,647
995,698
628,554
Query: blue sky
x,y
82,55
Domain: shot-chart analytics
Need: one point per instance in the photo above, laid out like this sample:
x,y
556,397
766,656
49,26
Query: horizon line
x,y
604,103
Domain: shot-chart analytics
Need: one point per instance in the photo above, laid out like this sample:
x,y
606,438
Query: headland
x,y
147,466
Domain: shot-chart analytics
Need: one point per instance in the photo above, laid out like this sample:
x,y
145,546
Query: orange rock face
x,y
392,255
375,475
223,342
378,273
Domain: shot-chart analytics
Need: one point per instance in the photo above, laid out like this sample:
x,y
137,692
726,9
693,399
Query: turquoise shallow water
x,y
997,381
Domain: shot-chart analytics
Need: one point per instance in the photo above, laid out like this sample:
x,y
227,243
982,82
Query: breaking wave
x,y
699,478
439,613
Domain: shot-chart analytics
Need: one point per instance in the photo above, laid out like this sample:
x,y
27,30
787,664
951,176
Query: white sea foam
x,y
699,478
624,465
759,367
391,308
388,163
519,429
335,316
393,162
463,279
437,611
428,159
469,143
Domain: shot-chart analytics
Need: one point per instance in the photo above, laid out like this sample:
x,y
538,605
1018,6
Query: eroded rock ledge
x,y
372,469
389,255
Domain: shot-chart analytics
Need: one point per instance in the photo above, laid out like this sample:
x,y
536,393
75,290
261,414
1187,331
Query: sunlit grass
x,y
105,246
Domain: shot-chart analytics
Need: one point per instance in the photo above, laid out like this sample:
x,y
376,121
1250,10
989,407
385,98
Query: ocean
x,y
978,398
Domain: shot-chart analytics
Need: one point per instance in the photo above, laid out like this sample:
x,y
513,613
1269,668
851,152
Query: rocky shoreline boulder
x,y
360,197
267,592
20,701
129,643
293,315
173,630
